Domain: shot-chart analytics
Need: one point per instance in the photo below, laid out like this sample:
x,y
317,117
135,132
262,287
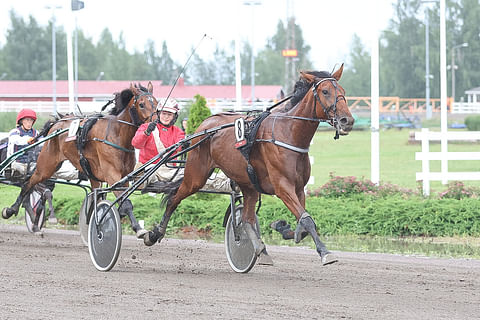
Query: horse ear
x,y
338,73
309,77
150,87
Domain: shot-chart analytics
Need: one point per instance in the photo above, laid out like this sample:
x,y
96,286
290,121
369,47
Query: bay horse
x,y
279,156
105,146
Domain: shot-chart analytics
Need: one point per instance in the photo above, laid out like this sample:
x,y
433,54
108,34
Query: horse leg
x,y
158,232
193,180
44,169
307,225
249,220
13,210
47,194
126,209
294,199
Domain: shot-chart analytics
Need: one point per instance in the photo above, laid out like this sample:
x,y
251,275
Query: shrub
x,y
457,190
339,186
473,123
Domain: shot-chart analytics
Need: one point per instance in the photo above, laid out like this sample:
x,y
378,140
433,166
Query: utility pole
x,y
54,59
428,76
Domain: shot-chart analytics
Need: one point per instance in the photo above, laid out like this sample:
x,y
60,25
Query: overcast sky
x,y
328,26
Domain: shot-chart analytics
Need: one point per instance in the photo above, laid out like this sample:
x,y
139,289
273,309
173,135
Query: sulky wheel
x,y
104,236
240,253
33,207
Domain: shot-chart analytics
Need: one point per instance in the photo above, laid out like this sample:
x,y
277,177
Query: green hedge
x,y
354,215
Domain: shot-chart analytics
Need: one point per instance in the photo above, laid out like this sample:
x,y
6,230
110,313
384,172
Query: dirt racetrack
x,y
52,277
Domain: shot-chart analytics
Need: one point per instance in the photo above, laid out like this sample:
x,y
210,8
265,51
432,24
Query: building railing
x,y
393,104
466,107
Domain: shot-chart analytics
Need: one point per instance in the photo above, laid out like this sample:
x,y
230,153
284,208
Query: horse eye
x,y
142,105
325,92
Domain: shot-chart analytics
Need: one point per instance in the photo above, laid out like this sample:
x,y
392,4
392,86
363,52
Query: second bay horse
x,y
106,146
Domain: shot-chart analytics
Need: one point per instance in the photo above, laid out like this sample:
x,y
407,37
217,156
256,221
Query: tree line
x,y
26,55
402,51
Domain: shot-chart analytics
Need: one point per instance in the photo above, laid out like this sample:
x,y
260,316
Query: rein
x,y
133,114
327,110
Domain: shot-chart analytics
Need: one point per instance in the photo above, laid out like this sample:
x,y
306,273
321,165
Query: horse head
x,y
142,103
330,96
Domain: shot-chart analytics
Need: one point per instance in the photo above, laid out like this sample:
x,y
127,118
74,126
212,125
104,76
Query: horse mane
x,y
123,98
46,127
302,86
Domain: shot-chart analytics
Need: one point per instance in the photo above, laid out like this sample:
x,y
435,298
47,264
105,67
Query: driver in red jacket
x,y
152,138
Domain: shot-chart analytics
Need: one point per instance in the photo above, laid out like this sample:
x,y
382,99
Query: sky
x,y
328,26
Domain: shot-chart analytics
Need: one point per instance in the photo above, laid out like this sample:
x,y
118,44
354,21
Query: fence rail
x,y
425,156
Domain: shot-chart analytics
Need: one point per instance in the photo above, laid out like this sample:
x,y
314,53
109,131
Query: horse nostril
x,y
346,121
343,120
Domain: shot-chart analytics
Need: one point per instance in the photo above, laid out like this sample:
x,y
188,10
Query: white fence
x,y
466,107
425,156
47,106
215,105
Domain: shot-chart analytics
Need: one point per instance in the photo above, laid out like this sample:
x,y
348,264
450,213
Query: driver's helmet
x,y
26,113
170,105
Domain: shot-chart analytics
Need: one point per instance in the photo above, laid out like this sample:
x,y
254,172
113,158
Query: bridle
x,y
133,111
328,109
333,121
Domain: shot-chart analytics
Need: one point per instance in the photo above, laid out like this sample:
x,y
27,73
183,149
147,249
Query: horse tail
x,y
167,188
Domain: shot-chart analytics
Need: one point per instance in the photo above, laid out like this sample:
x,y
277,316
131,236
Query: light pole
x,y
252,3
54,59
76,6
453,66
428,76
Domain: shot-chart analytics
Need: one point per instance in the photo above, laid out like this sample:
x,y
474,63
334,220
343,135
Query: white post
x,y
238,70
425,162
374,114
71,95
443,93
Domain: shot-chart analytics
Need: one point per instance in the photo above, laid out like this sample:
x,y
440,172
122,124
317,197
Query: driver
x,y
152,138
21,137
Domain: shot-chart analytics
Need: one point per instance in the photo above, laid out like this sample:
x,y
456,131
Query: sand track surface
x,y
52,277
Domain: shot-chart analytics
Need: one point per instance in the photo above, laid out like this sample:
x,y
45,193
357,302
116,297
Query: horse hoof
x,y
36,231
7,213
150,237
328,258
52,220
141,233
264,259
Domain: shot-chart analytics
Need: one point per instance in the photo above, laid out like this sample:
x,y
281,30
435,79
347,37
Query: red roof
x,y
107,88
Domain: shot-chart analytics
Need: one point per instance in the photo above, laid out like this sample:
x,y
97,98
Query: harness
x,y
251,127
82,133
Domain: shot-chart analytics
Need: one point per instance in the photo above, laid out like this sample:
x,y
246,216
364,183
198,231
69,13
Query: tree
x,y
356,76
469,73
270,64
25,54
198,112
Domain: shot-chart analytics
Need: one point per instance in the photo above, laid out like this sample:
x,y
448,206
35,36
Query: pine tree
x,y
198,112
